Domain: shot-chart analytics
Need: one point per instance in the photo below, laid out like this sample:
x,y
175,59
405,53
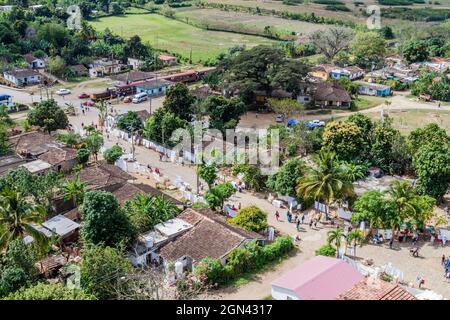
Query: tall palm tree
x,y
326,182
402,194
17,215
354,238
74,190
335,237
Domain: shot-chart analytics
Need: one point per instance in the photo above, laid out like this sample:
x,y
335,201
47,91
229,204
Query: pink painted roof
x,y
166,58
320,278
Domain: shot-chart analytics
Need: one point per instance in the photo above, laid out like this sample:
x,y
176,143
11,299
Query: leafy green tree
x,y
70,139
101,269
368,48
161,125
44,291
251,218
17,214
432,165
113,154
104,222
48,115
130,122
336,237
326,182
373,207
5,146
57,66
285,180
94,142
74,190
216,196
354,171
288,75
252,176
415,50
429,134
207,173
146,211
332,41
344,138
179,101
223,113
364,123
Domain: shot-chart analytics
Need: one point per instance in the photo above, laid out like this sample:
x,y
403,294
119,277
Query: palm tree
x,y
17,215
402,195
103,112
326,182
335,237
355,237
74,190
353,171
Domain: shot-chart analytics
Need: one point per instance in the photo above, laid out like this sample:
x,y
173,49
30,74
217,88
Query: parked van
x,y
140,97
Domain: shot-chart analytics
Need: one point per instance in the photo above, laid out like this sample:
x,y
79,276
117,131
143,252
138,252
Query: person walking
x,y
311,223
302,218
277,215
298,225
295,218
391,242
443,259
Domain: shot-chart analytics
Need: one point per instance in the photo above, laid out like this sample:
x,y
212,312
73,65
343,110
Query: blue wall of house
x,y
152,92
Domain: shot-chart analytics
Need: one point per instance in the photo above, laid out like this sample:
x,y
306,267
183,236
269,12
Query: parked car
x,y
89,103
279,118
84,95
62,92
138,98
315,123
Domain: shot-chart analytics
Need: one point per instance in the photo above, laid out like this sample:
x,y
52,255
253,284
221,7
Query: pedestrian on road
x,y
298,225
315,223
443,259
277,215
82,125
239,206
296,218
439,105
303,218
160,157
391,242
311,223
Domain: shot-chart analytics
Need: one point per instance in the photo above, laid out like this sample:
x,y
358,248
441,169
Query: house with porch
x,y
331,95
105,67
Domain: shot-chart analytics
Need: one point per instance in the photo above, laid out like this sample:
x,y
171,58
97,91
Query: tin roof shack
x,y
37,167
168,60
10,162
373,89
60,227
211,236
133,76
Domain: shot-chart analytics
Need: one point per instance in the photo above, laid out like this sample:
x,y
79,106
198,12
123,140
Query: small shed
x,y
37,166
61,226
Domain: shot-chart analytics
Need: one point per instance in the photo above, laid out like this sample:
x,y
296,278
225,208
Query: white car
x,y
279,118
63,92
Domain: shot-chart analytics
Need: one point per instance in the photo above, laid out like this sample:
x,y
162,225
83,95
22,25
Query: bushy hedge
x,y
243,260
326,250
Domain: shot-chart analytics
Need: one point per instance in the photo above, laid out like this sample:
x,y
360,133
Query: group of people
x,y
295,218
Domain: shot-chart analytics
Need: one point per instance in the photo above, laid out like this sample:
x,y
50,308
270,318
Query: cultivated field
x,y
245,22
176,36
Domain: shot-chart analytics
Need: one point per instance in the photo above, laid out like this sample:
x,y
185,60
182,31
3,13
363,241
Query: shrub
x,y
113,154
251,219
43,291
326,250
83,155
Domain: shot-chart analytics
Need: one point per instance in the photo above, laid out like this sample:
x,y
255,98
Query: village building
x,y
133,76
33,62
153,87
351,73
10,162
105,67
321,71
79,70
135,64
403,74
373,89
372,288
37,167
210,236
22,77
60,227
329,95
168,60
319,278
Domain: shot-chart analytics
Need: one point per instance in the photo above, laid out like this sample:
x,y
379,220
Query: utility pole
x,y
150,102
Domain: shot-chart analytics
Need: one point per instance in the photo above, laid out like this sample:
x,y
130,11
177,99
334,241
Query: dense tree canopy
x,y
251,218
48,115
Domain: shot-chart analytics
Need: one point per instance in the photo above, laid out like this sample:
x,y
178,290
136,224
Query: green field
x,y
246,23
177,37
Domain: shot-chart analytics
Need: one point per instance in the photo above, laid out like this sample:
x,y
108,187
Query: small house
x,y
351,73
105,67
33,62
321,71
37,167
135,64
168,60
6,8
373,89
79,70
22,77
319,278
372,288
153,87
329,95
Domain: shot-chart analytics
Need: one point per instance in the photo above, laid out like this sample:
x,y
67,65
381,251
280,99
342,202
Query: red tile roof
x,y
376,289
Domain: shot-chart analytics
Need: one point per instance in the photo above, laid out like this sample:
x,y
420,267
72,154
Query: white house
x,y
135,63
168,60
6,8
33,62
104,67
22,77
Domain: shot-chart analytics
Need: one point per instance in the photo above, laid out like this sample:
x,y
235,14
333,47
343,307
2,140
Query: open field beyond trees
x,y
176,36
